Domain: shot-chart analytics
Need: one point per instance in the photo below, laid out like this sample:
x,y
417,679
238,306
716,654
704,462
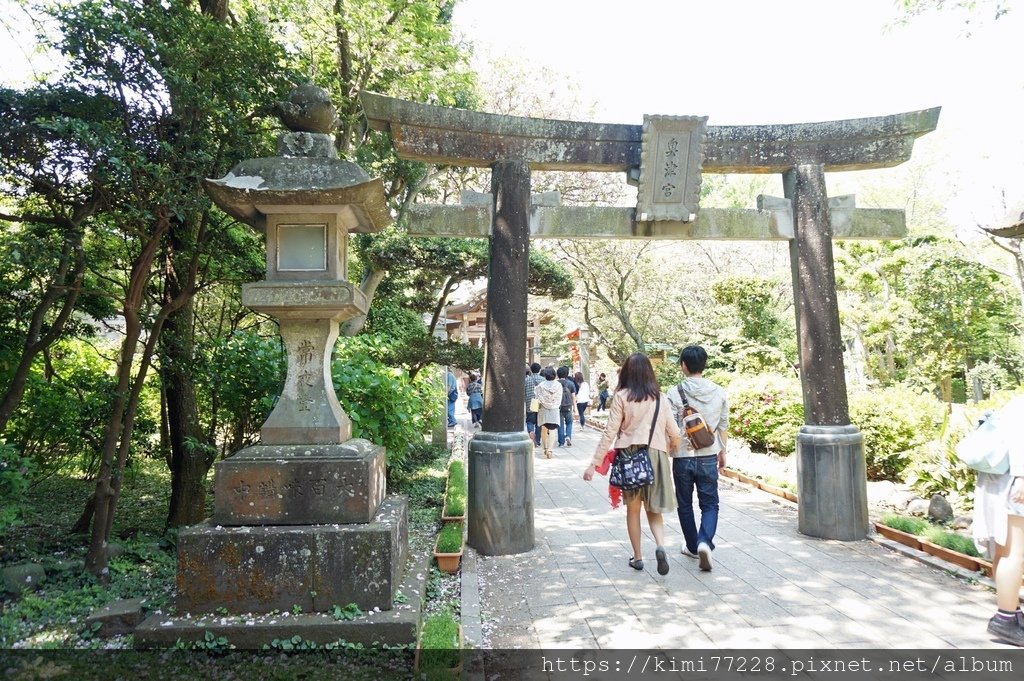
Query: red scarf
x,y
614,493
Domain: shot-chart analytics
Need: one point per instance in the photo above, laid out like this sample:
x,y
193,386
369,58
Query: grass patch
x,y
455,495
914,526
54,616
779,482
450,538
936,534
439,642
951,541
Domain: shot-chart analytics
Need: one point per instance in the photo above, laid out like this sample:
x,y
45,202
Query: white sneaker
x,y
704,556
686,552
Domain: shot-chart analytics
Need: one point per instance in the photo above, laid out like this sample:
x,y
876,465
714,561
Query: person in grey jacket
x,y
698,468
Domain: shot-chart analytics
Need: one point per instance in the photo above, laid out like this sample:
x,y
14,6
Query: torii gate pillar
x,y
500,499
831,471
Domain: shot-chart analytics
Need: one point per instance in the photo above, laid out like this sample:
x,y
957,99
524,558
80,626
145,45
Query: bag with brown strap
x,y
694,425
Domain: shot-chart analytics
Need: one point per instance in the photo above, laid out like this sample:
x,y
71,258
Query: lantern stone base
x,y
300,484
315,567
252,631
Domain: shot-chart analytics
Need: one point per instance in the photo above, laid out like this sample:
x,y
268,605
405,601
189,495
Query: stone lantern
x,y
301,519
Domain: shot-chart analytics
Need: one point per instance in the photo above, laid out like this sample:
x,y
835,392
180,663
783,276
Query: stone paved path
x,y
770,587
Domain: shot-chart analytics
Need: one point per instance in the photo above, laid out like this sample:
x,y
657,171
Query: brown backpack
x,y
694,425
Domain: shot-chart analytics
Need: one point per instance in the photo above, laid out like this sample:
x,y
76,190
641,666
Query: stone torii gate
x,y
830,455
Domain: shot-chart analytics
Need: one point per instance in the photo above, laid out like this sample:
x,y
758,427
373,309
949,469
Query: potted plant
x,y
439,653
454,509
448,549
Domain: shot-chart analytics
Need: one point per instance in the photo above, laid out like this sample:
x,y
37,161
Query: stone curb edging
x,y
470,614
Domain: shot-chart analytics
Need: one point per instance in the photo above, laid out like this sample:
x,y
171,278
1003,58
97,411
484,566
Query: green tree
x,y
46,165
756,300
964,313
923,310
183,91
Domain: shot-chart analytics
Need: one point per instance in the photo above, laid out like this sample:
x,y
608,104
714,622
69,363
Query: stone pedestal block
x,y
300,484
832,479
259,569
398,626
500,505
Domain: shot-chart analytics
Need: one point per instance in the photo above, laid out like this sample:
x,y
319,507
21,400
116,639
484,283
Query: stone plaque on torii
x,y
830,457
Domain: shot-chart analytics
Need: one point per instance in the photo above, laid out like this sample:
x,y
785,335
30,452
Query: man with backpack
x,y
702,412
567,407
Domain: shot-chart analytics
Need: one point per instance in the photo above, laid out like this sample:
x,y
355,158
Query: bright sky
x,y
784,61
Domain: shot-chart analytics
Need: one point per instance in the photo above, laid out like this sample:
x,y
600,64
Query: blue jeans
x,y
564,425
700,472
582,408
451,414
532,427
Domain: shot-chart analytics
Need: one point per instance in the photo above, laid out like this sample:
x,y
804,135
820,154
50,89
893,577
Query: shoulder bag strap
x,y
654,422
682,395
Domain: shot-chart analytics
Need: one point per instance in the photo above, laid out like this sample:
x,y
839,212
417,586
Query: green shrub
x,y
767,411
455,498
439,642
15,475
384,406
936,469
914,526
951,540
65,409
450,538
894,422
243,375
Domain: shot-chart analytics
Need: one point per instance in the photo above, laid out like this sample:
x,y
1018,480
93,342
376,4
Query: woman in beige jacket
x,y
629,427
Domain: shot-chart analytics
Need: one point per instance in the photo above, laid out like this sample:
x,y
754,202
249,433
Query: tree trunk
x,y
190,453
947,390
121,417
81,525
190,450
96,557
